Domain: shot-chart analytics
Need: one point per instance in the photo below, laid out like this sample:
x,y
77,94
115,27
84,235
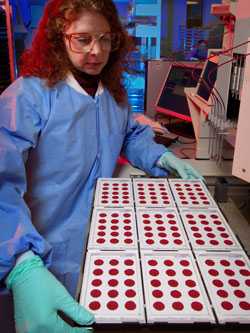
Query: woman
x,y
63,124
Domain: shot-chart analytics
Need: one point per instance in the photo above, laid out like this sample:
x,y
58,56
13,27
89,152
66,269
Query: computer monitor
x,y
172,99
208,79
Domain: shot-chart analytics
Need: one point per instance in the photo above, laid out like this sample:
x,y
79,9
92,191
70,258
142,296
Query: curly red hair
x,y
47,58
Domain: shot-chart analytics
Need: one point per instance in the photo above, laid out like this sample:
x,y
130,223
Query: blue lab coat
x,y
54,144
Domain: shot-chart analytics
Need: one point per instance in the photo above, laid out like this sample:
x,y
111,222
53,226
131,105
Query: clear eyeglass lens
x,y
83,42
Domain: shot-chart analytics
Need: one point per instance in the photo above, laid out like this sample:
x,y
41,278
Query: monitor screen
x,y
172,100
208,80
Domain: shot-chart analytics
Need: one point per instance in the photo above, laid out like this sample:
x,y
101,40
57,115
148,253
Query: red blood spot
x,y
158,221
247,282
189,216
101,233
213,272
94,306
222,293
162,234
218,283
227,305
112,305
208,229
239,263
102,221
184,262
221,229
178,241
96,282
224,235
114,221
245,305
95,293
229,272
178,306
114,233
101,227
159,306
102,214
112,283
164,241
193,293
154,272
152,262
113,262
129,282
194,228
100,240
200,242
202,216
114,240
157,293
239,293
127,227
244,272
98,262
210,235
197,235
147,228
168,262
171,222
187,272
145,216
217,222
173,283
158,216
113,293
150,241
155,283
128,240
127,234
233,283
174,228
176,234
214,216
204,222
209,262
228,242
175,293
98,271
213,242
114,227
170,272
113,271
190,283
161,228
197,306
129,272
148,234
225,262
126,221
130,305
130,293
129,262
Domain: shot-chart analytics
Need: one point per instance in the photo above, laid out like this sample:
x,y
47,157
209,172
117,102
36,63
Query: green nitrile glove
x,y
174,164
38,295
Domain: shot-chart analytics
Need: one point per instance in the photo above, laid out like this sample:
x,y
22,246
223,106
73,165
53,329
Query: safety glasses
x,y
84,42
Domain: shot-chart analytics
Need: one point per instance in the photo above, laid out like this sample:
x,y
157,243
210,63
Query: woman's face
x,y
88,47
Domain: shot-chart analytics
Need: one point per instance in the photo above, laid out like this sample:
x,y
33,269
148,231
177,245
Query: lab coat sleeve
x,y
20,125
141,150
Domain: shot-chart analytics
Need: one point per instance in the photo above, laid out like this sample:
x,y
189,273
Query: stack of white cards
x,y
160,251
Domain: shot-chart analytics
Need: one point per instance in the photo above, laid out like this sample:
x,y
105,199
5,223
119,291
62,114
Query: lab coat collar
x,y
72,82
